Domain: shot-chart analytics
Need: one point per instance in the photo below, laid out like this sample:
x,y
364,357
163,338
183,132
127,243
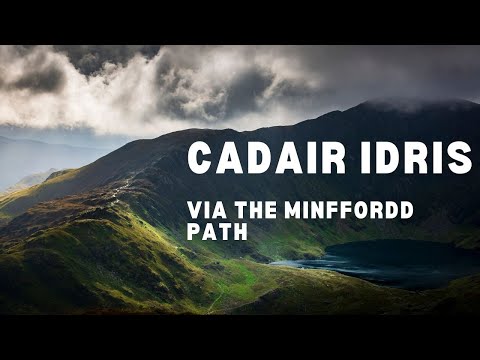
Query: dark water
x,y
407,264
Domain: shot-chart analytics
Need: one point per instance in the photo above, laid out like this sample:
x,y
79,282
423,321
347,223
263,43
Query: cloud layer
x,y
150,90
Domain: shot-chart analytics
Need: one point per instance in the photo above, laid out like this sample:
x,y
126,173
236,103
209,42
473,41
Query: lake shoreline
x,y
406,264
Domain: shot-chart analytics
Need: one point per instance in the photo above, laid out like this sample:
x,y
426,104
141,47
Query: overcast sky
x,y
149,90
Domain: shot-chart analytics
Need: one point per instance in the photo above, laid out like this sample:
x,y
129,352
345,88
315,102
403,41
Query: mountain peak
x,y
411,104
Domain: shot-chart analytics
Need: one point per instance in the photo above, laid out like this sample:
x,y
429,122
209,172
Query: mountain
x,y
20,158
111,236
30,180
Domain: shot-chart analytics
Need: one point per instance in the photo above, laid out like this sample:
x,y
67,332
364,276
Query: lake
x,y
406,264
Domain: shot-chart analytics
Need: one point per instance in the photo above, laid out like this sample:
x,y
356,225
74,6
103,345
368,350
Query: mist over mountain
x,y
30,180
20,158
78,137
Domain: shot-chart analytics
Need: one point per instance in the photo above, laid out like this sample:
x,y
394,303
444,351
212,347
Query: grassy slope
x,y
121,263
32,195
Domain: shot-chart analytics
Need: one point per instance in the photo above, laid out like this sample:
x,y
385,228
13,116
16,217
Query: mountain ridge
x,y
32,141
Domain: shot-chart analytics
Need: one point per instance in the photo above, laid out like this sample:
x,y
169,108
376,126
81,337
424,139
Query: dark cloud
x,y
243,92
240,95
372,71
325,78
49,79
37,73
89,59
168,76
243,87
